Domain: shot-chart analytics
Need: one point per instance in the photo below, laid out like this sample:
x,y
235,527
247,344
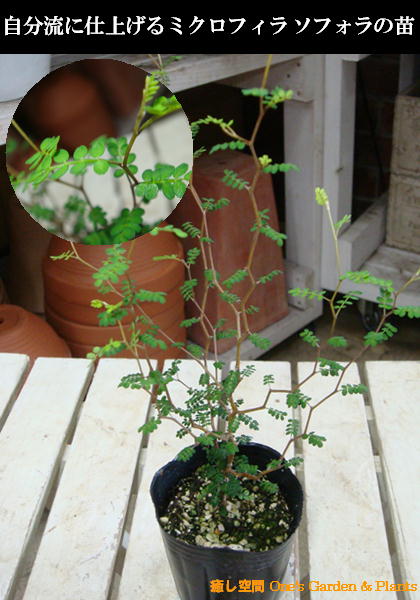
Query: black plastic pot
x,y
194,567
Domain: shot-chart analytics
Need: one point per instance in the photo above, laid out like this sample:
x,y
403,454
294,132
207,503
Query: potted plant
x,y
228,508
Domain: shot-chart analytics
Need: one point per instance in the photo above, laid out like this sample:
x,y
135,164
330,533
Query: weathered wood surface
x,y
12,371
346,531
102,541
83,531
395,396
31,444
146,573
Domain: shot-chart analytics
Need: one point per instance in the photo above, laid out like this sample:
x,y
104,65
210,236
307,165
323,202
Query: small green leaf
x,y
100,166
97,148
61,156
56,174
80,152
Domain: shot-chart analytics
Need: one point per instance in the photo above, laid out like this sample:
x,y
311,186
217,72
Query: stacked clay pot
x,y
69,289
230,228
68,104
22,332
3,293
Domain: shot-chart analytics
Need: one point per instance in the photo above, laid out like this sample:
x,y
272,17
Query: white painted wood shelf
x,y
318,136
303,146
77,521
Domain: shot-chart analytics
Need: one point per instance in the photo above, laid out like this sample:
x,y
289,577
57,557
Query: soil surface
x,y
260,523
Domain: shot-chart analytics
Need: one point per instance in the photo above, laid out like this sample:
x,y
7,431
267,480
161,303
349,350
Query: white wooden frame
x,y
361,243
303,132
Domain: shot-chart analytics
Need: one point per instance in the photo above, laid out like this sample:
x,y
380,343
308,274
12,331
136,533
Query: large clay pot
x,y
121,84
69,289
22,332
230,227
3,293
68,104
28,242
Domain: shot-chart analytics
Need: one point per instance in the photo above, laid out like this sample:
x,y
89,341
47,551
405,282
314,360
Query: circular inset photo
x,y
99,152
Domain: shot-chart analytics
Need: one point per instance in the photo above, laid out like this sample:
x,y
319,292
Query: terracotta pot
x,y
28,242
176,333
25,333
98,336
229,227
3,293
121,84
69,289
87,315
68,104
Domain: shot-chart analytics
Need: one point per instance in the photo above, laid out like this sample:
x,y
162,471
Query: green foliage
x,y
186,454
341,222
269,277
280,168
256,92
229,297
412,312
187,288
259,341
297,398
237,145
321,196
309,337
236,277
337,341
365,277
192,255
277,96
329,367
347,299
277,414
271,233
93,225
213,412
373,338
307,293
209,204
233,180
314,439
353,388
292,427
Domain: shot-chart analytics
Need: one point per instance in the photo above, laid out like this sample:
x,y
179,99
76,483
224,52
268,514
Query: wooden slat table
x,y
76,521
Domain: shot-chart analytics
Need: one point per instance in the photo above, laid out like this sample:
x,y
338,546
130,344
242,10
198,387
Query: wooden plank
x,y
12,370
253,392
277,332
31,444
193,70
390,263
303,146
395,395
344,514
289,75
146,573
271,432
340,94
364,236
82,535
298,276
